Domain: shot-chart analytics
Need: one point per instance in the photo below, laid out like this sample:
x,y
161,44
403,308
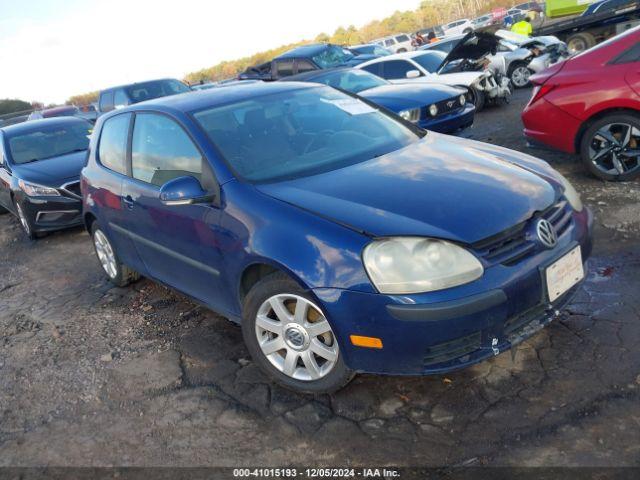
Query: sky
x,y
53,49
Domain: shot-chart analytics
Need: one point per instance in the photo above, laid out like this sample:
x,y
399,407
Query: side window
x,y
402,38
389,43
629,56
162,151
112,149
106,101
375,68
397,69
284,68
120,99
305,66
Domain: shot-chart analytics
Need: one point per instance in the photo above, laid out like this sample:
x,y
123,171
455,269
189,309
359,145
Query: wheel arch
x,y
89,218
259,269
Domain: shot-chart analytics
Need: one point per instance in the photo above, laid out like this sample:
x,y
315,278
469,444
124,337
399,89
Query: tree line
x,y
428,14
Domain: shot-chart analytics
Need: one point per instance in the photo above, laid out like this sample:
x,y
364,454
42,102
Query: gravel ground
x,y
100,376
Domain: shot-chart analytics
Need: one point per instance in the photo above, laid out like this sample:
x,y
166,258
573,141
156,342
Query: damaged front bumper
x,y
494,86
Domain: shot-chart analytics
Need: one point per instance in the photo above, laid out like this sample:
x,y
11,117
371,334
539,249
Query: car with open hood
x,y
463,66
40,163
516,56
435,107
342,238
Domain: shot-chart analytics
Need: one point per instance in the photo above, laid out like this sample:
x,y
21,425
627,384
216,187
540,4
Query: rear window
x,y
155,89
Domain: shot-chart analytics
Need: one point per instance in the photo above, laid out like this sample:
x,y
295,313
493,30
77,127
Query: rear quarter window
x,y
112,147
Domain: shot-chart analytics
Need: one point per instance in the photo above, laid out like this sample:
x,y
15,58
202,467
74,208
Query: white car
x,y
432,66
396,43
464,25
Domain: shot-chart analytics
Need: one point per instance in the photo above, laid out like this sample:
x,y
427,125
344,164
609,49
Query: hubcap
x,y
520,76
105,254
615,149
23,219
296,337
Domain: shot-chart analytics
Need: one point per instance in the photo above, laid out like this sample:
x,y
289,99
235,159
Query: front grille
x,y
445,106
73,188
513,245
444,352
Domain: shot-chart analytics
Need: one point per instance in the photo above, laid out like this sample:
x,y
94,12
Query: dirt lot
x,y
95,375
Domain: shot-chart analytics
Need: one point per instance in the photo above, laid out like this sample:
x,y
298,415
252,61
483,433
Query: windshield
x,y
299,133
49,141
430,61
332,57
353,81
156,89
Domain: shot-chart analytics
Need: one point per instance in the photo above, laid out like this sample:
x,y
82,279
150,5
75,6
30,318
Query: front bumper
x,y
451,122
443,331
47,214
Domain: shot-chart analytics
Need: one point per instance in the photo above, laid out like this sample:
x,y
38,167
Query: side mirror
x,y
183,191
413,74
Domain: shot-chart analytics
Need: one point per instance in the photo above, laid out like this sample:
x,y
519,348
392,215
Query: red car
x,y
590,105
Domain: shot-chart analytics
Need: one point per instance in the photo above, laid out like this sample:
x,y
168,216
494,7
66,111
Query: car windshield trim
x,y
311,162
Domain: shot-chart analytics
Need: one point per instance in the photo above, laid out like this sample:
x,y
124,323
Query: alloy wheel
x,y
296,337
615,149
520,76
105,254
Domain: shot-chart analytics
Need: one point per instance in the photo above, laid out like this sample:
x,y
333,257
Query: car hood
x,y
455,79
441,186
358,59
410,95
53,171
473,46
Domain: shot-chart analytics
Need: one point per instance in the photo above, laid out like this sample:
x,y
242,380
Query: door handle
x,y
128,201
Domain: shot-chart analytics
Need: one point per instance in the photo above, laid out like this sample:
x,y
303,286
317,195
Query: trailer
x,y
584,31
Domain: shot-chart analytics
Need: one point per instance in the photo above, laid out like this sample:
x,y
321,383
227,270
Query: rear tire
x,y
117,272
607,153
519,74
296,361
580,42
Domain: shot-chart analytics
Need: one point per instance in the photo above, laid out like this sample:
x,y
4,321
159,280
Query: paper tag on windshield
x,y
351,106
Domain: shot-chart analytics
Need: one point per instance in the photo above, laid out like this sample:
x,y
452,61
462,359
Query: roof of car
x,y
305,50
212,97
33,125
126,85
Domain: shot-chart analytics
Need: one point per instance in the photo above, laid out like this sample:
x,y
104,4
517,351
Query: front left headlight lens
x,y
463,100
404,265
411,115
572,196
35,190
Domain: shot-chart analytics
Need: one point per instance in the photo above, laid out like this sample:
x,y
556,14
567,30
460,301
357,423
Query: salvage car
x,y
40,163
517,56
590,105
119,97
302,59
435,107
461,67
343,238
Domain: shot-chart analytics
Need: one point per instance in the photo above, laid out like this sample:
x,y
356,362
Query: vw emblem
x,y
294,337
546,233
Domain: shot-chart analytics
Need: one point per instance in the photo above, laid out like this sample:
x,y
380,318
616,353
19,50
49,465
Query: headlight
x,y
411,115
433,110
404,265
35,190
463,100
571,194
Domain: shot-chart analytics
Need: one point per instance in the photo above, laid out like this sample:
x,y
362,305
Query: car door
x,y
5,178
178,244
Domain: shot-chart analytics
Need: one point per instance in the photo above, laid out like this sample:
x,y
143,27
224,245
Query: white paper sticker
x,y
351,106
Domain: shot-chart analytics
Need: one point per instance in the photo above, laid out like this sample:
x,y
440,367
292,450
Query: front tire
x,y
290,338
477,97
117,272
610,148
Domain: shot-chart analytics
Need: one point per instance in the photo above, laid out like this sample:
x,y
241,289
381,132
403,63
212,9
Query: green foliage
x,y
13,106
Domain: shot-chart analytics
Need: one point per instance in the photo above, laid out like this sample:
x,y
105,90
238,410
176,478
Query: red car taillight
x,y
539,91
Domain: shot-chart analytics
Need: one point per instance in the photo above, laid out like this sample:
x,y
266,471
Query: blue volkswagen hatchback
x,y
341,237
